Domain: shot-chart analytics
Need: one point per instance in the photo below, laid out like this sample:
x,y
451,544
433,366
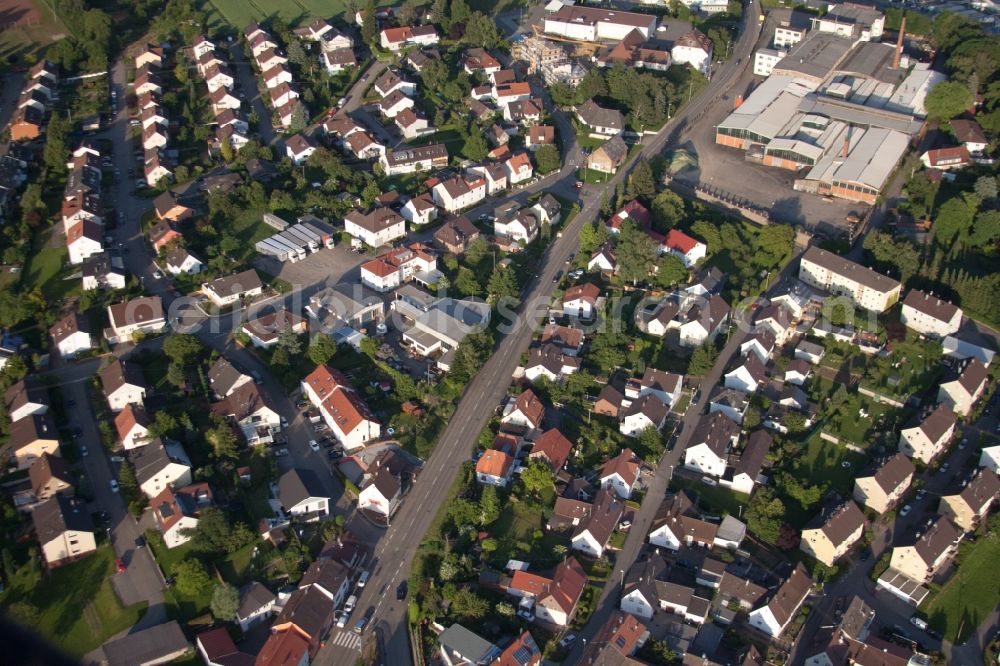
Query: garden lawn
x,y
78,609
44,271
713,498
822,462
235,568
970,595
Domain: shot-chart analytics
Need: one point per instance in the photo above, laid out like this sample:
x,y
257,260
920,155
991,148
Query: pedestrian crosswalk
x,y
347,639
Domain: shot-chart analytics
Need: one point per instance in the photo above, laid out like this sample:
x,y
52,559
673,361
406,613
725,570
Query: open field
x,y
76,606
27,26
239,13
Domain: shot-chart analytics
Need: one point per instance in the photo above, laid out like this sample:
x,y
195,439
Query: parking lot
x,y
323,268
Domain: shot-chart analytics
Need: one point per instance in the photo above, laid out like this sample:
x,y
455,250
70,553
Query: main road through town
x,y
394,552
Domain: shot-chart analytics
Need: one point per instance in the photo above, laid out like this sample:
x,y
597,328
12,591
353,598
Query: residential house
x,y
832,532
288,646
618,639
944,159
155,169
600,121
930,315
810,352
309,611
456,234
398,266
139,315
524,413
739,591
30,437
924,554
26,398
229,289
342,409
556,604
251,411
682,600
592,534
989,458
883,489
773,617
731,403
636,416
383,490
411,124
303,495
378,227
639,594
495,466
50,475
256,604
64,529
552,448
181,262
702,321
163,233
973,502
299,148
677,523
167,207
689,250
461,647
222,99
607,157
621,473
962,385
159,644
149,56
524,651
395,39
520,225
457,193
216,648
391,81
160,465
776,318
338,60
409,159
518,168
664,385
421,210
550,362
84,240
708,449
926,439
266,330
797,372
123,384
71,335
581,301
329,577
176,511
433,324
748,376
224,378
132,426
567,339
970,134
103,271
830,272
603,260
743,475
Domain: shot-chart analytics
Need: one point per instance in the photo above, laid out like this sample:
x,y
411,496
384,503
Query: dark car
x,y
334,454
365,619
865,554
401,591
140,542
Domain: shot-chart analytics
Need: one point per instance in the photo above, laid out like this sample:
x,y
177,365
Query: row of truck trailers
x,y
295,241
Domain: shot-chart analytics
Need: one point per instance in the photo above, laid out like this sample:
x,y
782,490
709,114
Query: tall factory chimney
x,y
899,44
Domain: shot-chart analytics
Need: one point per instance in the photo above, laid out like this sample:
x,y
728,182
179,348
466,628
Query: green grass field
x,y
45,271
24,40
822,462
969,595
77,607
239,13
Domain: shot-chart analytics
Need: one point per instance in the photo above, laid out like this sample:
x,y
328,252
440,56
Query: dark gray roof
x,y
147,646
253,597
459,640
596,116
58,514
297,485
223,375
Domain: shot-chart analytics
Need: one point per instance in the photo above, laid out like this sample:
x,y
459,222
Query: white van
x,y
351,602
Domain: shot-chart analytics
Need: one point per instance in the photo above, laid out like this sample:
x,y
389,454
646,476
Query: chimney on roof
x,y
899,44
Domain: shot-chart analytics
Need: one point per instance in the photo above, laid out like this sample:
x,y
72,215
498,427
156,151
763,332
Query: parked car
x,y
351,602
363,578
363,622
341,617
314,445
120,565
401,591
567,640
281,452
114,486
84,452
944,468
905,511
